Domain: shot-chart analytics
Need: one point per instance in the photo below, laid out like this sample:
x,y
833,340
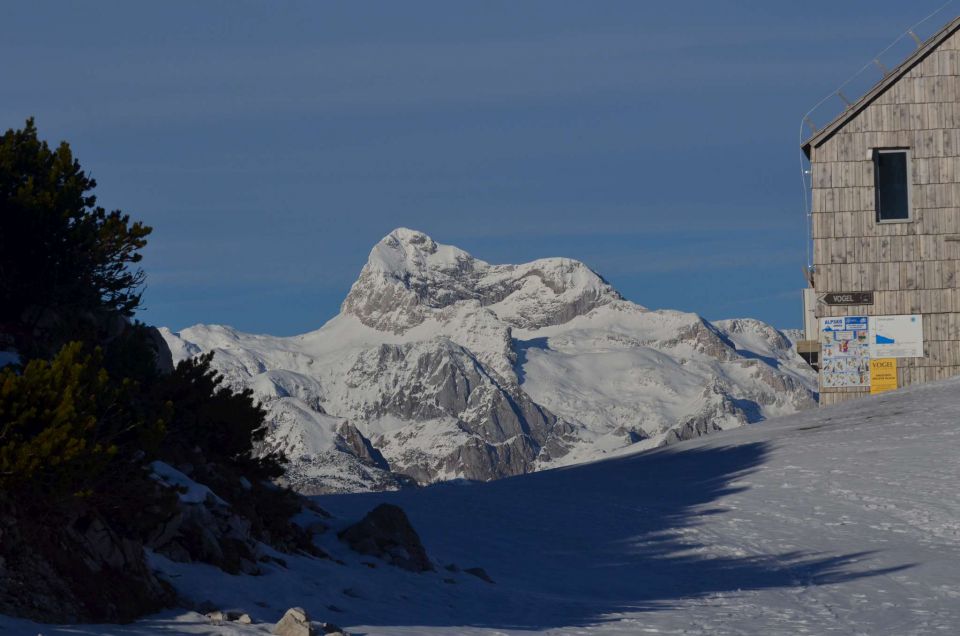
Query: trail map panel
x,y
845,352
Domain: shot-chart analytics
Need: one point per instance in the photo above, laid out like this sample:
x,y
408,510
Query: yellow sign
x,y
883,375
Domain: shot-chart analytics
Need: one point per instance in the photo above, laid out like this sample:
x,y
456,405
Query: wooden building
x,y
885,179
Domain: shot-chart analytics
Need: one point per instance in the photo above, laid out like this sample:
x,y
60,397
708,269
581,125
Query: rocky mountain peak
x,y
404,254
408,276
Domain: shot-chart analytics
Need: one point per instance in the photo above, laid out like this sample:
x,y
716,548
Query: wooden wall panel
x,y
911,267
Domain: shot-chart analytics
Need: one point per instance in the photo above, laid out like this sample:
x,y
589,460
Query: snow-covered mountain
x,y
443,366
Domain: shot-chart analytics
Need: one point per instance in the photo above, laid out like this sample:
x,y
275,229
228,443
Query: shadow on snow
x,y
521,347
574,546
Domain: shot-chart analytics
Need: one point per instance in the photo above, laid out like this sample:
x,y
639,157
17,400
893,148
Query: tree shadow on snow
x,y
574,546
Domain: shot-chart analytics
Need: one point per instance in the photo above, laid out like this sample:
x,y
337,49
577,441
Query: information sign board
x,y
896,336
845,352
883,375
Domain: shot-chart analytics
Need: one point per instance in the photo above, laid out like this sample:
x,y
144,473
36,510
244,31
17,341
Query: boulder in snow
x,y
295,622
386,533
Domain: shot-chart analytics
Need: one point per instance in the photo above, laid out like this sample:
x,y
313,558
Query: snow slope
x,y
842,520
450,367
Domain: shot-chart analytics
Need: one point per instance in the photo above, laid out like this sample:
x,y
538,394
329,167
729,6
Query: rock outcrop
x,y
74,571
386,533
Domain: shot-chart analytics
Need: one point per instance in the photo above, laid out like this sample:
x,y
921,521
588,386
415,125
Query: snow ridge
x,y
443,366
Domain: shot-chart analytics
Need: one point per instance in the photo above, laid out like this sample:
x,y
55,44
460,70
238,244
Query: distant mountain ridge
x,y
443,366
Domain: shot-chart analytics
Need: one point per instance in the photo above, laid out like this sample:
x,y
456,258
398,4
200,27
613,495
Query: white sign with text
x,y
896,336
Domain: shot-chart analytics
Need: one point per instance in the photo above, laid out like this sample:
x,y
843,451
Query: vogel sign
x,y
847,298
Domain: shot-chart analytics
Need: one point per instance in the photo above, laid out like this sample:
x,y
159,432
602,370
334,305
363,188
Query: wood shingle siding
x,y
911,266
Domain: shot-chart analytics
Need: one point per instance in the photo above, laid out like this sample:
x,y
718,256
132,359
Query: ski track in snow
x,y
843,520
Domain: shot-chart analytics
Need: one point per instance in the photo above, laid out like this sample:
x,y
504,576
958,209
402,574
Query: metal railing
x,y
836,102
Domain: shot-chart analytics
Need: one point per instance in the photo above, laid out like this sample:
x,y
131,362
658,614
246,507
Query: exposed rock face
x,y
362,447
443,366
211,533
78,572
164,356
386,533
502,432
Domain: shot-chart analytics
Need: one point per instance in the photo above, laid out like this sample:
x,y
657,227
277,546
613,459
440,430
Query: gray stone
x,y
294,622
209,532
216,616
103,547
386,533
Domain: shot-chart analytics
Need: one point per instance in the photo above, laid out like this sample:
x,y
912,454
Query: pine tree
x,y
227,426
68,430
61,255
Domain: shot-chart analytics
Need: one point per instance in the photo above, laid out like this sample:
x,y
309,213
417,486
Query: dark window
x,y
891,169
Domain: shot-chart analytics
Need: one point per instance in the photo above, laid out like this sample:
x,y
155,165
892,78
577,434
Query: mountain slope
x,y
842,520
451,367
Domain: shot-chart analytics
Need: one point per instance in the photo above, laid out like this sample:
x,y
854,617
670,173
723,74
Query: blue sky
x,y
271,144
